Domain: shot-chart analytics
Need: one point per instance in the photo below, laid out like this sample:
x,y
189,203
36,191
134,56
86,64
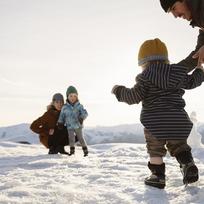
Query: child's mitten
x,y
117,91
81,120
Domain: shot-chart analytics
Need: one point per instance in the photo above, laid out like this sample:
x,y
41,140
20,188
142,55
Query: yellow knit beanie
x,y
152,50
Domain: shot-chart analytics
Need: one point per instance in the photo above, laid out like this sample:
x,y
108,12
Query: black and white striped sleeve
x,y
131,95
194,80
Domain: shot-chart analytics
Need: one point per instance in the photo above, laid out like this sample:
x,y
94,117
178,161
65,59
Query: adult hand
x,y
51,131
200,55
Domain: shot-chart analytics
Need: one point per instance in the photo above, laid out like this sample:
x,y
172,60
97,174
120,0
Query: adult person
x,y
192,11
46,126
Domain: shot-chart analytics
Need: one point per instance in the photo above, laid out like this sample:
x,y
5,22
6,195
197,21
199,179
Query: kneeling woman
x,y
46,126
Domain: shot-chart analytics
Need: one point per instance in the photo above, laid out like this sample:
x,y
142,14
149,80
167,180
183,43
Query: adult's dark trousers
x,y
59,138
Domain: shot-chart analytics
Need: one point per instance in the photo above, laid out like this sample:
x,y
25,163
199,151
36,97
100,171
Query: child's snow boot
x,y
157,179
72,151
188,167
85,149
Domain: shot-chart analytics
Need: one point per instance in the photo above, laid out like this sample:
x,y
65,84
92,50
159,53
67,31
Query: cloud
x,y
10,82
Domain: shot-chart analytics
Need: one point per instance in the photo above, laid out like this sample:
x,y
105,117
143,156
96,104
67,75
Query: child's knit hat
x,y
71,89
167,4
152,50
58,97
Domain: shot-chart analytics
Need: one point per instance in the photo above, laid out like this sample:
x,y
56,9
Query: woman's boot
x,y
61,150
52,150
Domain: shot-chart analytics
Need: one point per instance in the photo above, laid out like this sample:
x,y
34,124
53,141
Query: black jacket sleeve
x,y
189,61
194,80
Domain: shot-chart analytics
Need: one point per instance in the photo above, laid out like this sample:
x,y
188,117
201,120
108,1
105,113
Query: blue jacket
x,y
70,115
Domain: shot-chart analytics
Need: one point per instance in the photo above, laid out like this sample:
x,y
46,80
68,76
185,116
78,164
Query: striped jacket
x,y
160,87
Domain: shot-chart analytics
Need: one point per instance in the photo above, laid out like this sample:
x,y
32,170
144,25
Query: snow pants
x,y
79,135
158,148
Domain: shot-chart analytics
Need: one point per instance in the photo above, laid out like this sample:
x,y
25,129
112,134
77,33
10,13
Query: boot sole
x,y
191,175
155,184
66,153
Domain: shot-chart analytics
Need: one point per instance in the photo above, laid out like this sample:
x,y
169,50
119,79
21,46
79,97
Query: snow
x,y
194,139
111,174
132,133
18,133
129,133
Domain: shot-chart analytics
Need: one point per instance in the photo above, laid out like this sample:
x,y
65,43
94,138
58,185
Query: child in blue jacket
x,y
72,115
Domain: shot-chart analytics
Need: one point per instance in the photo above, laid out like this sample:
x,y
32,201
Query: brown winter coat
x,y
44,123
197,9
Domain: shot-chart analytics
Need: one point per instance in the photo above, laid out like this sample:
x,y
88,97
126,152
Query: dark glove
x,y
114,89
117,91
81,120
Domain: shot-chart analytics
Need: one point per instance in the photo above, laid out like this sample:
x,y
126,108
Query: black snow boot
x,y
61,150
52,150
85,149
157,179
188,167
72,151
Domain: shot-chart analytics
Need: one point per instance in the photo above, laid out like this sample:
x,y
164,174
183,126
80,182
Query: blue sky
x,y
47,45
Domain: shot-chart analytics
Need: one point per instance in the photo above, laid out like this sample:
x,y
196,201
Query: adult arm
x,y
189,61
39,126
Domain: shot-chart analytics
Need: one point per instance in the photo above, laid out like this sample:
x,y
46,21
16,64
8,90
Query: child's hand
x,y
114,89
81,120
117,91
51,131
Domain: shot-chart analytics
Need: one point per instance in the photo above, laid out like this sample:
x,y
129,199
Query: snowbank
x,y
117,134
97,135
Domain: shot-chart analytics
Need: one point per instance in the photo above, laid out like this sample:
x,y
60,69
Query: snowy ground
x,y
112,174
